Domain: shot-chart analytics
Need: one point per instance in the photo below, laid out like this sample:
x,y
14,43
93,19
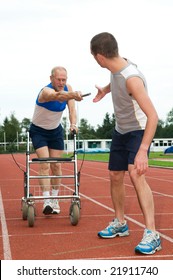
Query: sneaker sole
x,y
148,253
121,234
47,210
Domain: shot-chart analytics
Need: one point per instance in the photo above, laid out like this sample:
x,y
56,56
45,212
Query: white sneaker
x,y
47,207
55,206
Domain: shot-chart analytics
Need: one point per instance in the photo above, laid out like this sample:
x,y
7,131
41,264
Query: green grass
x,y
160,155
155,158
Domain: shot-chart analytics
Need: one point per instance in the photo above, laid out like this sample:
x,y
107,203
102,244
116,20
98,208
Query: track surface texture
x,y
55,238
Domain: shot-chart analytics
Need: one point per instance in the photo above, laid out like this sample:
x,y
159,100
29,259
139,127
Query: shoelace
x,y
148,238
115,223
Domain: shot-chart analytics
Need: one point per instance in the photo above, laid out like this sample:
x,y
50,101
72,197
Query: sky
x,y
37,35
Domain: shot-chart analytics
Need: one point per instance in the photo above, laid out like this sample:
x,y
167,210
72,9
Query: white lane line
x,y
5,236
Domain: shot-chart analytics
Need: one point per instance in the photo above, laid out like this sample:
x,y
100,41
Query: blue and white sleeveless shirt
x,y
48,115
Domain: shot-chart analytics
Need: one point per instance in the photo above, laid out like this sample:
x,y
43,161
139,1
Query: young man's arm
x,y
136,88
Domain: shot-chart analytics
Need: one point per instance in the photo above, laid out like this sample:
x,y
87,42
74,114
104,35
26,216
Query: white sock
x,y
46,193
54,192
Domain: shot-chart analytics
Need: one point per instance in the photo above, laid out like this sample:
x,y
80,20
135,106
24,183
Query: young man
x,y
46,131
136,122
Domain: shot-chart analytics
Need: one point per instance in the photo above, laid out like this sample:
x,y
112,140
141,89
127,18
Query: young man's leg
x,y
118,227
117,161
145,197
118,193
151,240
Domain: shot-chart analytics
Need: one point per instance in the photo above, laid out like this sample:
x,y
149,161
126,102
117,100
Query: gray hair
x,y
57,68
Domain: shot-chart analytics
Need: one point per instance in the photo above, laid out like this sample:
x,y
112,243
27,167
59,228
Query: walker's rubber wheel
x,y
31,215
74,213
24,210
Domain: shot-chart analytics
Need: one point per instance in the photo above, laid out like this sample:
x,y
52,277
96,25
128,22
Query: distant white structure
x,y
161,144
158,144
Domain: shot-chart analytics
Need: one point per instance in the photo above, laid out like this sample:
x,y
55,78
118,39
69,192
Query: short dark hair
x,y
104,43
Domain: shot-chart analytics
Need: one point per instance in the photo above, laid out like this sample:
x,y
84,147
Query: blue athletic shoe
x,y
150,243
115,228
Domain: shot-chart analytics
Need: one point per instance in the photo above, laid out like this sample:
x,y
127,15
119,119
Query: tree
x,y
25,124
86,131
160,129
105,131
169,119
168,131
12,128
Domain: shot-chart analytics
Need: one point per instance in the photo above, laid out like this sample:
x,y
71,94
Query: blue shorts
x,y
53,138
124,148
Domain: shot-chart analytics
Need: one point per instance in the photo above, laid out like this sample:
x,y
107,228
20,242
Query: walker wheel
x,y
24,210
74,213
31,215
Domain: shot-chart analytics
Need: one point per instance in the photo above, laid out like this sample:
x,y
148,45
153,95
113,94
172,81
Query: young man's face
x,y
59,79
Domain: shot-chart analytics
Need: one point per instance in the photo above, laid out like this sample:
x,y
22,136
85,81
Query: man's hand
x,y
77,95
73,128
141,162
100,94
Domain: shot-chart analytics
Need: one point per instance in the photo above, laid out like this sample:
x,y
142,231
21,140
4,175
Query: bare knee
x,y
136,179
116,177
44,168
56,168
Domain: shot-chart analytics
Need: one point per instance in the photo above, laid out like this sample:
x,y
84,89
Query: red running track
x,y
54,238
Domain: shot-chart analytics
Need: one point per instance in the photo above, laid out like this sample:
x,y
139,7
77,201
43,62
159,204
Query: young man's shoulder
x,y
130,70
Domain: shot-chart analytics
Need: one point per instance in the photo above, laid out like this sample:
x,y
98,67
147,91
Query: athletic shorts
x,y
53,138
124,148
